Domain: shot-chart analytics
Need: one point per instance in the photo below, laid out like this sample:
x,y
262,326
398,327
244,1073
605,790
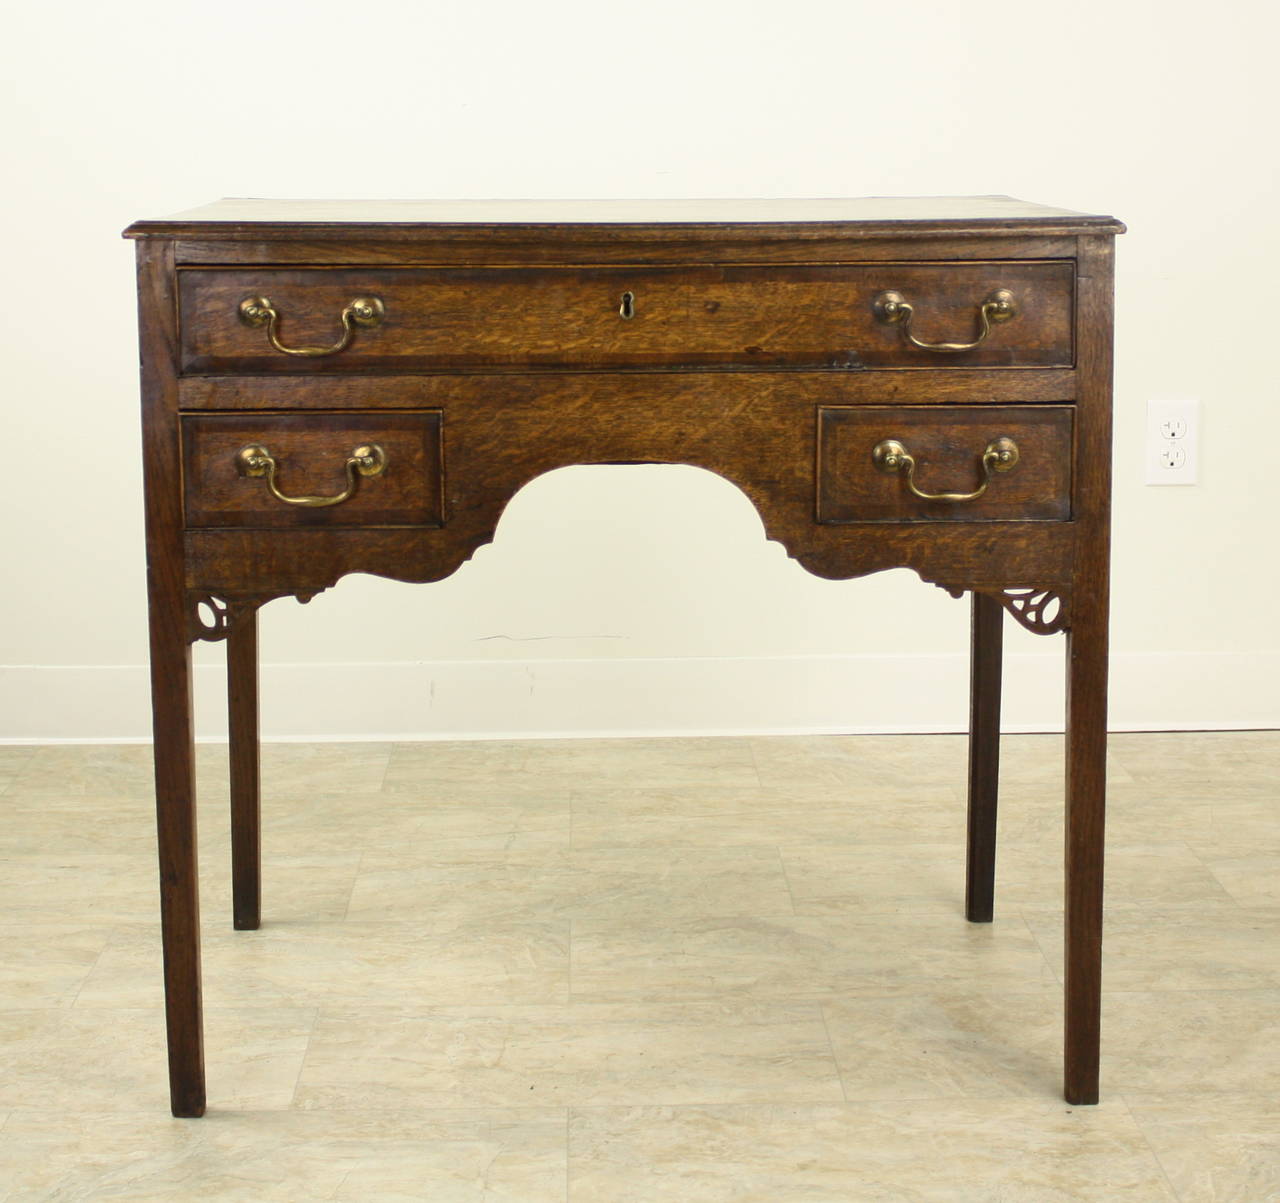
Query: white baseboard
x,y
505,699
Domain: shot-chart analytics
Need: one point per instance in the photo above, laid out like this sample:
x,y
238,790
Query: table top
x,y
236,217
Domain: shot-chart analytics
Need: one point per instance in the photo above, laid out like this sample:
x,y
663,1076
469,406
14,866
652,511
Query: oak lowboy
x,y
332,387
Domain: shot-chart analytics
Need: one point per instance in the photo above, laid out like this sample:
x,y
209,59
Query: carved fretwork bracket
x,y
1041,611
212,617
208,617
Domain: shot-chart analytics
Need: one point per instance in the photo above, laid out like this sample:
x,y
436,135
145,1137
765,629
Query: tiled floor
x,y
647,971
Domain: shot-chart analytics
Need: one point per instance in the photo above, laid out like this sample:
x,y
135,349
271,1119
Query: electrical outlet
x,y
1173,435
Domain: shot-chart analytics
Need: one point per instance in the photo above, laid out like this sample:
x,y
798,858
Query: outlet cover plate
x,y
1172,442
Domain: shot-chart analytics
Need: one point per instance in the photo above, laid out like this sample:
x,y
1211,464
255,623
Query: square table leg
x,y
984,756
1085,818
242,713
176,832
171,700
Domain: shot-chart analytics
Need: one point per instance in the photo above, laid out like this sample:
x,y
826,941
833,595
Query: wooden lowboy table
x,y
333,387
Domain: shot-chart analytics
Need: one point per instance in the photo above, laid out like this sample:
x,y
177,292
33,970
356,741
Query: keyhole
x,y
627,310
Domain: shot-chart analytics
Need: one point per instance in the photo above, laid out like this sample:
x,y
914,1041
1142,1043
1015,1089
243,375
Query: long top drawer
x,y
1013,313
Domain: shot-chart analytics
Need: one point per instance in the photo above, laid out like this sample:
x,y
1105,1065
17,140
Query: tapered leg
x,y
984,757
170,678
242,711
176,830
1085,815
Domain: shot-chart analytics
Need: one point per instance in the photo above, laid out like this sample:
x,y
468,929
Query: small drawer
x,y
332,469
973,463
434,319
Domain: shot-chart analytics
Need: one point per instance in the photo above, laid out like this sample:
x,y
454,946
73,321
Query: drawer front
x,y
1016,458
332,469
418,319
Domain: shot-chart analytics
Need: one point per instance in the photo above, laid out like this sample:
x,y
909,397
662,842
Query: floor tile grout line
x,y
755,763
302,1062
1146,1140
1056,970
84,981
1208,867
831,1044
351,893
386,768
786,878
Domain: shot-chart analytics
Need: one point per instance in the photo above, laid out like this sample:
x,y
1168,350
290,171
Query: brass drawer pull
x,y
1001,455
366,460
363,311
893,309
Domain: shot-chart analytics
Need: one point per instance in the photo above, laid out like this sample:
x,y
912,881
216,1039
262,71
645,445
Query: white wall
x,y
602,606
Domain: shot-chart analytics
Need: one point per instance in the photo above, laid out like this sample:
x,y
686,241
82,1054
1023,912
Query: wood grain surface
x,y
753,353
686,317
311,451
947,445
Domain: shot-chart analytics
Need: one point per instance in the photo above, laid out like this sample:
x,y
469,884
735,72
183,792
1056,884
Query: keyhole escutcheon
x,y
627,310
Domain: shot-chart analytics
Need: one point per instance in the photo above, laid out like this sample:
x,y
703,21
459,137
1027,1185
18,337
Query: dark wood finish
x,y
246,773
304,561
550,246
505,225
947,445
1086,720
798,316
275,563
171,693
984,757
477,391
504,357
311,451
755,429
448,233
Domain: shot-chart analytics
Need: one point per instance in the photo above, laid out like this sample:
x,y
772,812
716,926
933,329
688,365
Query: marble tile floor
x,y
645,970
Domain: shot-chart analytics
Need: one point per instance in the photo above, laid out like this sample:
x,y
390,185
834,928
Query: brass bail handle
x,y
366,460
362,311
1000,455
893,309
